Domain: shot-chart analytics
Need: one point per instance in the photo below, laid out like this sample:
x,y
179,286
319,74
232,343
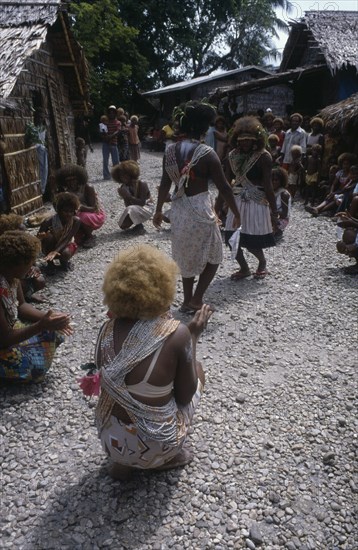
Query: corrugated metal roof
x,y
202,79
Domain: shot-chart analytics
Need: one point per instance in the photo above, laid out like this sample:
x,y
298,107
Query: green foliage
x,y
189,38
116,66
141,44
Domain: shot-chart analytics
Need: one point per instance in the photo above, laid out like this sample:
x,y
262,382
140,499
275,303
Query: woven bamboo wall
x,y
40,76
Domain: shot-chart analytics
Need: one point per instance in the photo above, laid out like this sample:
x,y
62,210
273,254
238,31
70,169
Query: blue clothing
x,y
43,162
108,149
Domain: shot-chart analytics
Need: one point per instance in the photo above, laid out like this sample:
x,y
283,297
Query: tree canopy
x,y
142,44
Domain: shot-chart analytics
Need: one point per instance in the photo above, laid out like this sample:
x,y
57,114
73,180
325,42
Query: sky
x,y
300,6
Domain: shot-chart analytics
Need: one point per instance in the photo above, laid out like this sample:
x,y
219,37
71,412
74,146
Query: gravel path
x,y
274,436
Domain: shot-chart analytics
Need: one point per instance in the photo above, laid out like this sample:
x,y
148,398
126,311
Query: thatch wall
x,y
42,72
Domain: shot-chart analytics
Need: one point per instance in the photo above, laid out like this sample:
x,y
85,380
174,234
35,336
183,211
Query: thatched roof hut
x,y
342,116
43,80
323,36
328,39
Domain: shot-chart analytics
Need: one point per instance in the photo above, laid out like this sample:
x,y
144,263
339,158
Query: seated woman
x,y
74,179
26,349
151,382
135,193
33,281
57,233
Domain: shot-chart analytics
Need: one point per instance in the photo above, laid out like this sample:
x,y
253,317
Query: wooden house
x,y
43,80
319,65
326,40
205,87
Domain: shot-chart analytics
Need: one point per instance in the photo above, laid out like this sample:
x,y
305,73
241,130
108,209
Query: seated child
x,y
74,179
349,245
296,171
28,336
135,193
313,167
341,183
344,199
57,233
325,185
279,180
33,280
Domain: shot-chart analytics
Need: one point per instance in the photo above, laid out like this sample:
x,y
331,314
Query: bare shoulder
x,y
143,185
266,159
180,337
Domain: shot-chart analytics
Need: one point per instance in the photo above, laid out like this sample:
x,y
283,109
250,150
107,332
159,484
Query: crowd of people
x,y
150,379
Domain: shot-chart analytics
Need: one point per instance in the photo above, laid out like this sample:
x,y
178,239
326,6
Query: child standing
x,y
296,171
136,196
316,135
28,336
279,131
57,233
123,145
274,148
133,139
313,172
103,125
279,180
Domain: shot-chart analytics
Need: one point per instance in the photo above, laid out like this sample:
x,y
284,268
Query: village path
x,y
274,437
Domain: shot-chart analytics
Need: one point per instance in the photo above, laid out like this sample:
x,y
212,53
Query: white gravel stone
x,y
279,358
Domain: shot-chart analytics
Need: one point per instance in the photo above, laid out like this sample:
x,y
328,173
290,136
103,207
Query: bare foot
x,y
37,298
238,275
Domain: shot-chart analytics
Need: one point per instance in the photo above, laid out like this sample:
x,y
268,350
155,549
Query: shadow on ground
x,y
78,519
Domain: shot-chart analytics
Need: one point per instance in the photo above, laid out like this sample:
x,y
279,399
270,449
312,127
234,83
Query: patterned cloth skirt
x,y
30,360
195,234
126,445
138,214
256,227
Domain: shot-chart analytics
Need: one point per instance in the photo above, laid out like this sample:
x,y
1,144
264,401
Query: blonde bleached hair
x,y
140,283
127,168
248,127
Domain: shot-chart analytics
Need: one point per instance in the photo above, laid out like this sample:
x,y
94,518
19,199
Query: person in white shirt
x,y
294,136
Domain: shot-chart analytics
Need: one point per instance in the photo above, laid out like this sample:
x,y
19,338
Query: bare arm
x,y
266,164
91,200
218,177
285,197
164,188
186,377
42,320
